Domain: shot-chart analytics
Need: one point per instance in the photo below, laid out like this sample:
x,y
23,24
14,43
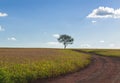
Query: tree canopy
x,y
65,39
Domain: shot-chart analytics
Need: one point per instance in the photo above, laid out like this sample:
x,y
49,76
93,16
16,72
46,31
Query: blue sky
x,y
37,23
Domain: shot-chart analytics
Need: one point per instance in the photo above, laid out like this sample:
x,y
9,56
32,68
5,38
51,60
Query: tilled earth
x,y
101,70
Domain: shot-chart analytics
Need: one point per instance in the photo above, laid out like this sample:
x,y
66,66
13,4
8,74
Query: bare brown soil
x,y
101,70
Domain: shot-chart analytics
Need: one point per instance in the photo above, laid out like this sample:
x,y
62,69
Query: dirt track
x,y
101,70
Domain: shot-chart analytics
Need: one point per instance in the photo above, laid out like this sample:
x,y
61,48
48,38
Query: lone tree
x,y
65,39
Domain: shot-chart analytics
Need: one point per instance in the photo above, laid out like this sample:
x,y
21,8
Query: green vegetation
x,y
25,65
104,52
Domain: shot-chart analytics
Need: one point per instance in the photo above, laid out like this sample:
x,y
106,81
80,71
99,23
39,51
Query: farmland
x,y
103,69
23,65
104,52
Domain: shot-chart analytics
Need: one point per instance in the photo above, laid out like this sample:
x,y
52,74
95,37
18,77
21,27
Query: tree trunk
x,y
64,46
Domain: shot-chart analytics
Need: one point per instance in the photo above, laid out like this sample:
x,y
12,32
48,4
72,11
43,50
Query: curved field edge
x,y
104,52
50,63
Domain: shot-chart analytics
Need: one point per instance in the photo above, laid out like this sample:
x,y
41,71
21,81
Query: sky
x,y
38,23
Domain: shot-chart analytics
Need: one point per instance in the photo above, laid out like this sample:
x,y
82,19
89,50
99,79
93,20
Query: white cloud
x,y
3,14
85,45
2,29
112,45
53,43
12,39
105,12
93,21
56,35
102,41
